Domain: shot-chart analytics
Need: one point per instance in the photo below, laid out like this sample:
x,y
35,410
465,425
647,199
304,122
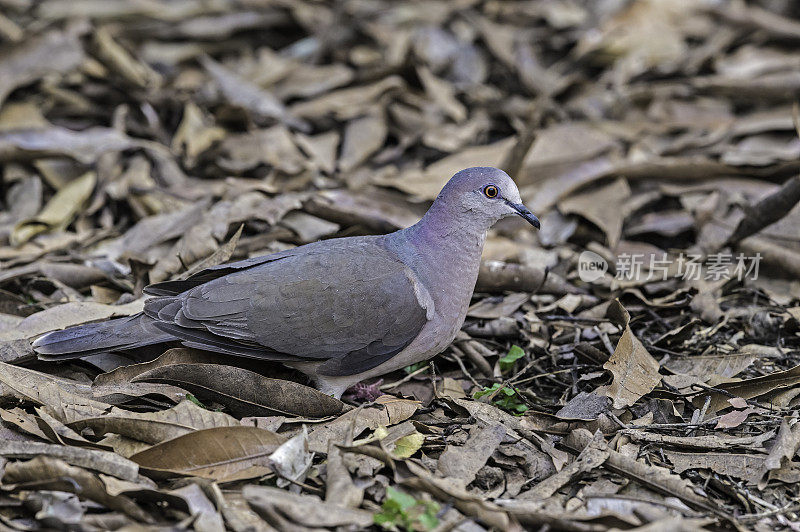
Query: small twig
x,y
540,375
432,368
461,365
404,379
476,358
604,338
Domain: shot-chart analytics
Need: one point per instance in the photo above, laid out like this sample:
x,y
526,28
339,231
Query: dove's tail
x,y
92,338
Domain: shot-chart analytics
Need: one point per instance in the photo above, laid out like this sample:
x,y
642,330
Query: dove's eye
x,y
490,191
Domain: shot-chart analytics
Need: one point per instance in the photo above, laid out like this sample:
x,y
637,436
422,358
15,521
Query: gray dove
x,y
339,310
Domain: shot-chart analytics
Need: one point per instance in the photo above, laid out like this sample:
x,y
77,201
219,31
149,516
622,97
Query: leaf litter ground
x,y
634,365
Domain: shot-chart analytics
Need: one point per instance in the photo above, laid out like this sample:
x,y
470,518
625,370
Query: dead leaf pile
x,y
633,365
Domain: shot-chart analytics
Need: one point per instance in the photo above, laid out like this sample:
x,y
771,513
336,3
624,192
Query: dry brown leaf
x,y
195,134
321,148
241,92
59,212
348,103
244,392
100,461
783,448
53,52
221,453
51,473
461,463
84,146
749,388
426,184
634,370
151,427
734,418
391,410
362,137
711,442
304,510
744,466
122,62
62,316
604,207
591,457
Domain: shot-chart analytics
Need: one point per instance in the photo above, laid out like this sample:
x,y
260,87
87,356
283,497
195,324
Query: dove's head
x,y
485,195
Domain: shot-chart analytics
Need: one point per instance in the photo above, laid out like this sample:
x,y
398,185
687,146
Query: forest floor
x,y
634,365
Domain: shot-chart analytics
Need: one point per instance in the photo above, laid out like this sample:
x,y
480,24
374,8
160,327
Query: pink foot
x,y
364,392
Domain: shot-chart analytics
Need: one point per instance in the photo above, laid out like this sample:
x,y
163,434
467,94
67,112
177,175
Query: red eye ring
x,y
490,191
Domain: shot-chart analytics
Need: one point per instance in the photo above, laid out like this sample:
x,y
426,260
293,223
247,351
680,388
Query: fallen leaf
x,y
748,388
603,206
462,463
734,418
96,460
59,212
783,448
244,392
52,473
634,370
84,146
304,510
150,427
292,459
221,453
54,52
391,411
239,91
362,137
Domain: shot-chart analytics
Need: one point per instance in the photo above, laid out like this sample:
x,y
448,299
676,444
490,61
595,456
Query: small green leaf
x,y
403,500
514,354
486,391
408,445
414,367
506,398
401,511
196,401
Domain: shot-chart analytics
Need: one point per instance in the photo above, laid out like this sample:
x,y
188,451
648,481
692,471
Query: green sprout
x,y
401,511
414,367
505,397
514,354
196,401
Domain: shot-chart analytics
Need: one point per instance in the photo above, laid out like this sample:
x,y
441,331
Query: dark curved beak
x,y
523,211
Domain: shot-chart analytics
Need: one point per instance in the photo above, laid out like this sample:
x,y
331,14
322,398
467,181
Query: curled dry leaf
x,y
100,461
221,454
388,410
150,427
51,52
748,388
783,448
634,370
59,212
50,473
241,92
461,463
244,392
84,146
591,457
292,460
303,510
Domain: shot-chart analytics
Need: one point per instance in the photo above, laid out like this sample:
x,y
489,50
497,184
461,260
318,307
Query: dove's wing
x,y
349,304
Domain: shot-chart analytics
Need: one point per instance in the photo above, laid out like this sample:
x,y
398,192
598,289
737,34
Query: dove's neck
x,y
444,250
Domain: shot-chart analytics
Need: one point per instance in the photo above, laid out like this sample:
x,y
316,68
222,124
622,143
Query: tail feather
x,y
92,338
